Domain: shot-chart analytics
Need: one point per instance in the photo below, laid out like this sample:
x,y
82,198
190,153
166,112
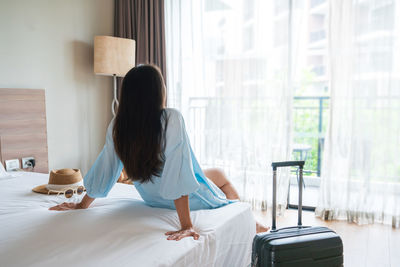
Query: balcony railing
x,y
309,117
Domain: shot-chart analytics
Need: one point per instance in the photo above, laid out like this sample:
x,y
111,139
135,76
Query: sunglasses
x,y
68,193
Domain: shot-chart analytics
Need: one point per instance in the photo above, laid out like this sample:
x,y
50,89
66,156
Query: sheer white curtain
x,y
361,167
227,71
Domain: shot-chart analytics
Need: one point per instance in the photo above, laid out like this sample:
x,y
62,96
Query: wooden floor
x,y
364,246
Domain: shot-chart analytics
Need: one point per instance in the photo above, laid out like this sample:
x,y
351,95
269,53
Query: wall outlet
x,y
12,165
28,162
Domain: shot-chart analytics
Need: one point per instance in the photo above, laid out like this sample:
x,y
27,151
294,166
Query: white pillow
x,y
8,175
3,172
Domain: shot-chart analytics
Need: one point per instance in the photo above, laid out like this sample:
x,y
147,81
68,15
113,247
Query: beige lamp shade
x,y
113,55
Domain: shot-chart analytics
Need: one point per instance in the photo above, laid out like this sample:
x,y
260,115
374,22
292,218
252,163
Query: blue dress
x,y
181,174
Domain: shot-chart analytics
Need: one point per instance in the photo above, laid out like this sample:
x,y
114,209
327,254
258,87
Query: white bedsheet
x,y
119,230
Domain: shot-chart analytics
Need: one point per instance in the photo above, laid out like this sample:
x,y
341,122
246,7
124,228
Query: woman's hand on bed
x,y
183,210
84,204
67,206
178,235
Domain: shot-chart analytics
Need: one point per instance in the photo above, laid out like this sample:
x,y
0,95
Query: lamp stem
x,y
115,103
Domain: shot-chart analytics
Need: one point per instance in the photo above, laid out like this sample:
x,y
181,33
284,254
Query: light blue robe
x,y
181,174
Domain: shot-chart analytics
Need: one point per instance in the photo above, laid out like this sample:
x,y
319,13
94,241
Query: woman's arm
x,y
183,210
101,177
84,204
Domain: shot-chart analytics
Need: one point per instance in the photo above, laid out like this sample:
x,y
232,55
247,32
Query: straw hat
x,y
60,180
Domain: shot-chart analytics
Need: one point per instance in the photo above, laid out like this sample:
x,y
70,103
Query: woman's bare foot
x,y
261,228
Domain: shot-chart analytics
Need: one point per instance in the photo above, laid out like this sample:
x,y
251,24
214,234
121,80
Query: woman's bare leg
x,y
219,179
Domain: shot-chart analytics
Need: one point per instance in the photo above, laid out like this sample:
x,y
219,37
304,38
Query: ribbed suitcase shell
x,y
299,246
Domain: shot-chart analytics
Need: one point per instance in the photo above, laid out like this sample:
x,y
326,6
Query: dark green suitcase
x,y
299,246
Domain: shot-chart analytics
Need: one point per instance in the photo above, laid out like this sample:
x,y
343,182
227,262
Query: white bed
x,y
119,230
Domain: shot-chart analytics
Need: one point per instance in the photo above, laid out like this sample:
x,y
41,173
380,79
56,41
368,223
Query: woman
x,y
150,143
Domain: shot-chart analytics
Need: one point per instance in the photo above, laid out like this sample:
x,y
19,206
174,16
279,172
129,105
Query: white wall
x,y
49,44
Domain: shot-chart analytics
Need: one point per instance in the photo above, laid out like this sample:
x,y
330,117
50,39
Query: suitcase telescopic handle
x,y
275,166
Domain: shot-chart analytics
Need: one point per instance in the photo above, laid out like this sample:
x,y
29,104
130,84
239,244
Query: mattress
x,y
119,230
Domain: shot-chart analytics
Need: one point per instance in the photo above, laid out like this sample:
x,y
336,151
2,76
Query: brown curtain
x,y
143,21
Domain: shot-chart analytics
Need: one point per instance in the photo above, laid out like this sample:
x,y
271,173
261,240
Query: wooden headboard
x,y
23,130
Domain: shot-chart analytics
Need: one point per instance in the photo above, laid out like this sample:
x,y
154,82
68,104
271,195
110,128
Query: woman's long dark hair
x,y
139,137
